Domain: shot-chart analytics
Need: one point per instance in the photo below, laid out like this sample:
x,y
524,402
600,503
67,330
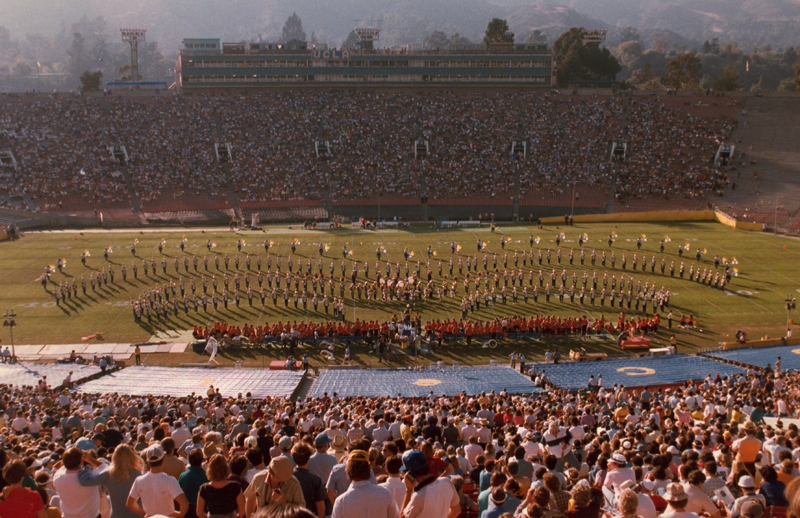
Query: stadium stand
x,y
66,167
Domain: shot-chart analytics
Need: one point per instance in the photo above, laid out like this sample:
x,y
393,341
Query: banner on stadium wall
x,y
331,54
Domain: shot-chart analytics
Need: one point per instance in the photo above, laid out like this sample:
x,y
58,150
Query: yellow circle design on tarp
x,y
644,371
796,351
426,383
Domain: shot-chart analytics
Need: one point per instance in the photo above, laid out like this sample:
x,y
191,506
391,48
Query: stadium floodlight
x,y
594,36
134,37
367,36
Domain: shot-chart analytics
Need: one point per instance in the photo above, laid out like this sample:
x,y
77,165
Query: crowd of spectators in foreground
x,y
61,146
608,450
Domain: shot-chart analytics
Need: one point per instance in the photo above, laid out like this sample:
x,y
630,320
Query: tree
x,y
683,72
797,76
436,39
497,32
22,69
536,36
126,74
642,75
351,40
758,87
728,81
78,58
629,52
457,39
579,62
293,29
787,85
629,34
91,81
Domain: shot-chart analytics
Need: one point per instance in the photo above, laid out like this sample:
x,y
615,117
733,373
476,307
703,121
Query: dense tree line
x,y
717,65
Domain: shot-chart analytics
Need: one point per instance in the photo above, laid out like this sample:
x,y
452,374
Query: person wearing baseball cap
x,y
363,498
158,491
321,463
426,495
618,472
275,485
285,445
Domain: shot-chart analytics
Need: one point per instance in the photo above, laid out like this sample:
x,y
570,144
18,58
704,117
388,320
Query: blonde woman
x,y
117,477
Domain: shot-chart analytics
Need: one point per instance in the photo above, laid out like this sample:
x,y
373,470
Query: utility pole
x,y
10,323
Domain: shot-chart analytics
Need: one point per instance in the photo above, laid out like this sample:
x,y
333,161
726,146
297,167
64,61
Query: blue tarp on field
x,y
636,372
420,382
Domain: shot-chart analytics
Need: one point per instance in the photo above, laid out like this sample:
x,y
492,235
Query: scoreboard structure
x,y
208,63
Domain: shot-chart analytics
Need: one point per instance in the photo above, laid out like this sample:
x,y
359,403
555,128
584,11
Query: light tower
x,y
134,37
367,36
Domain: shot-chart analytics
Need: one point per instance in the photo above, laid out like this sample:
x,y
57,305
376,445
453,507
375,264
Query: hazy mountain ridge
x,y
748,22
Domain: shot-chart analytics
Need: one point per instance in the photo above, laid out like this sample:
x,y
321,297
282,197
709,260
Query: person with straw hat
x,y
677,499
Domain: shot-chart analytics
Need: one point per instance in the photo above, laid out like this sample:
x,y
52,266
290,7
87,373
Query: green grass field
x,y
754,301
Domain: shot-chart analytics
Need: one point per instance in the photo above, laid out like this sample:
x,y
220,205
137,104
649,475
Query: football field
x,y
753,301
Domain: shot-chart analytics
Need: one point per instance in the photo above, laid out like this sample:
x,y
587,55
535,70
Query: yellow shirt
x,y
748,449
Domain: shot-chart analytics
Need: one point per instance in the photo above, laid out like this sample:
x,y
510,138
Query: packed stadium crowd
x,y
702,449
61,145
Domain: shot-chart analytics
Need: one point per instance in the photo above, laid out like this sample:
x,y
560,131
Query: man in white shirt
x,y
363,498
76,501
427,496
20,423
699,502
380,434
394,429
395,482
472,450
618,473
180,434
468,430
531,446
157,490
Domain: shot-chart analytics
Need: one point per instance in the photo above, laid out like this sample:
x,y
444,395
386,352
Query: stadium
x,y
596,283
